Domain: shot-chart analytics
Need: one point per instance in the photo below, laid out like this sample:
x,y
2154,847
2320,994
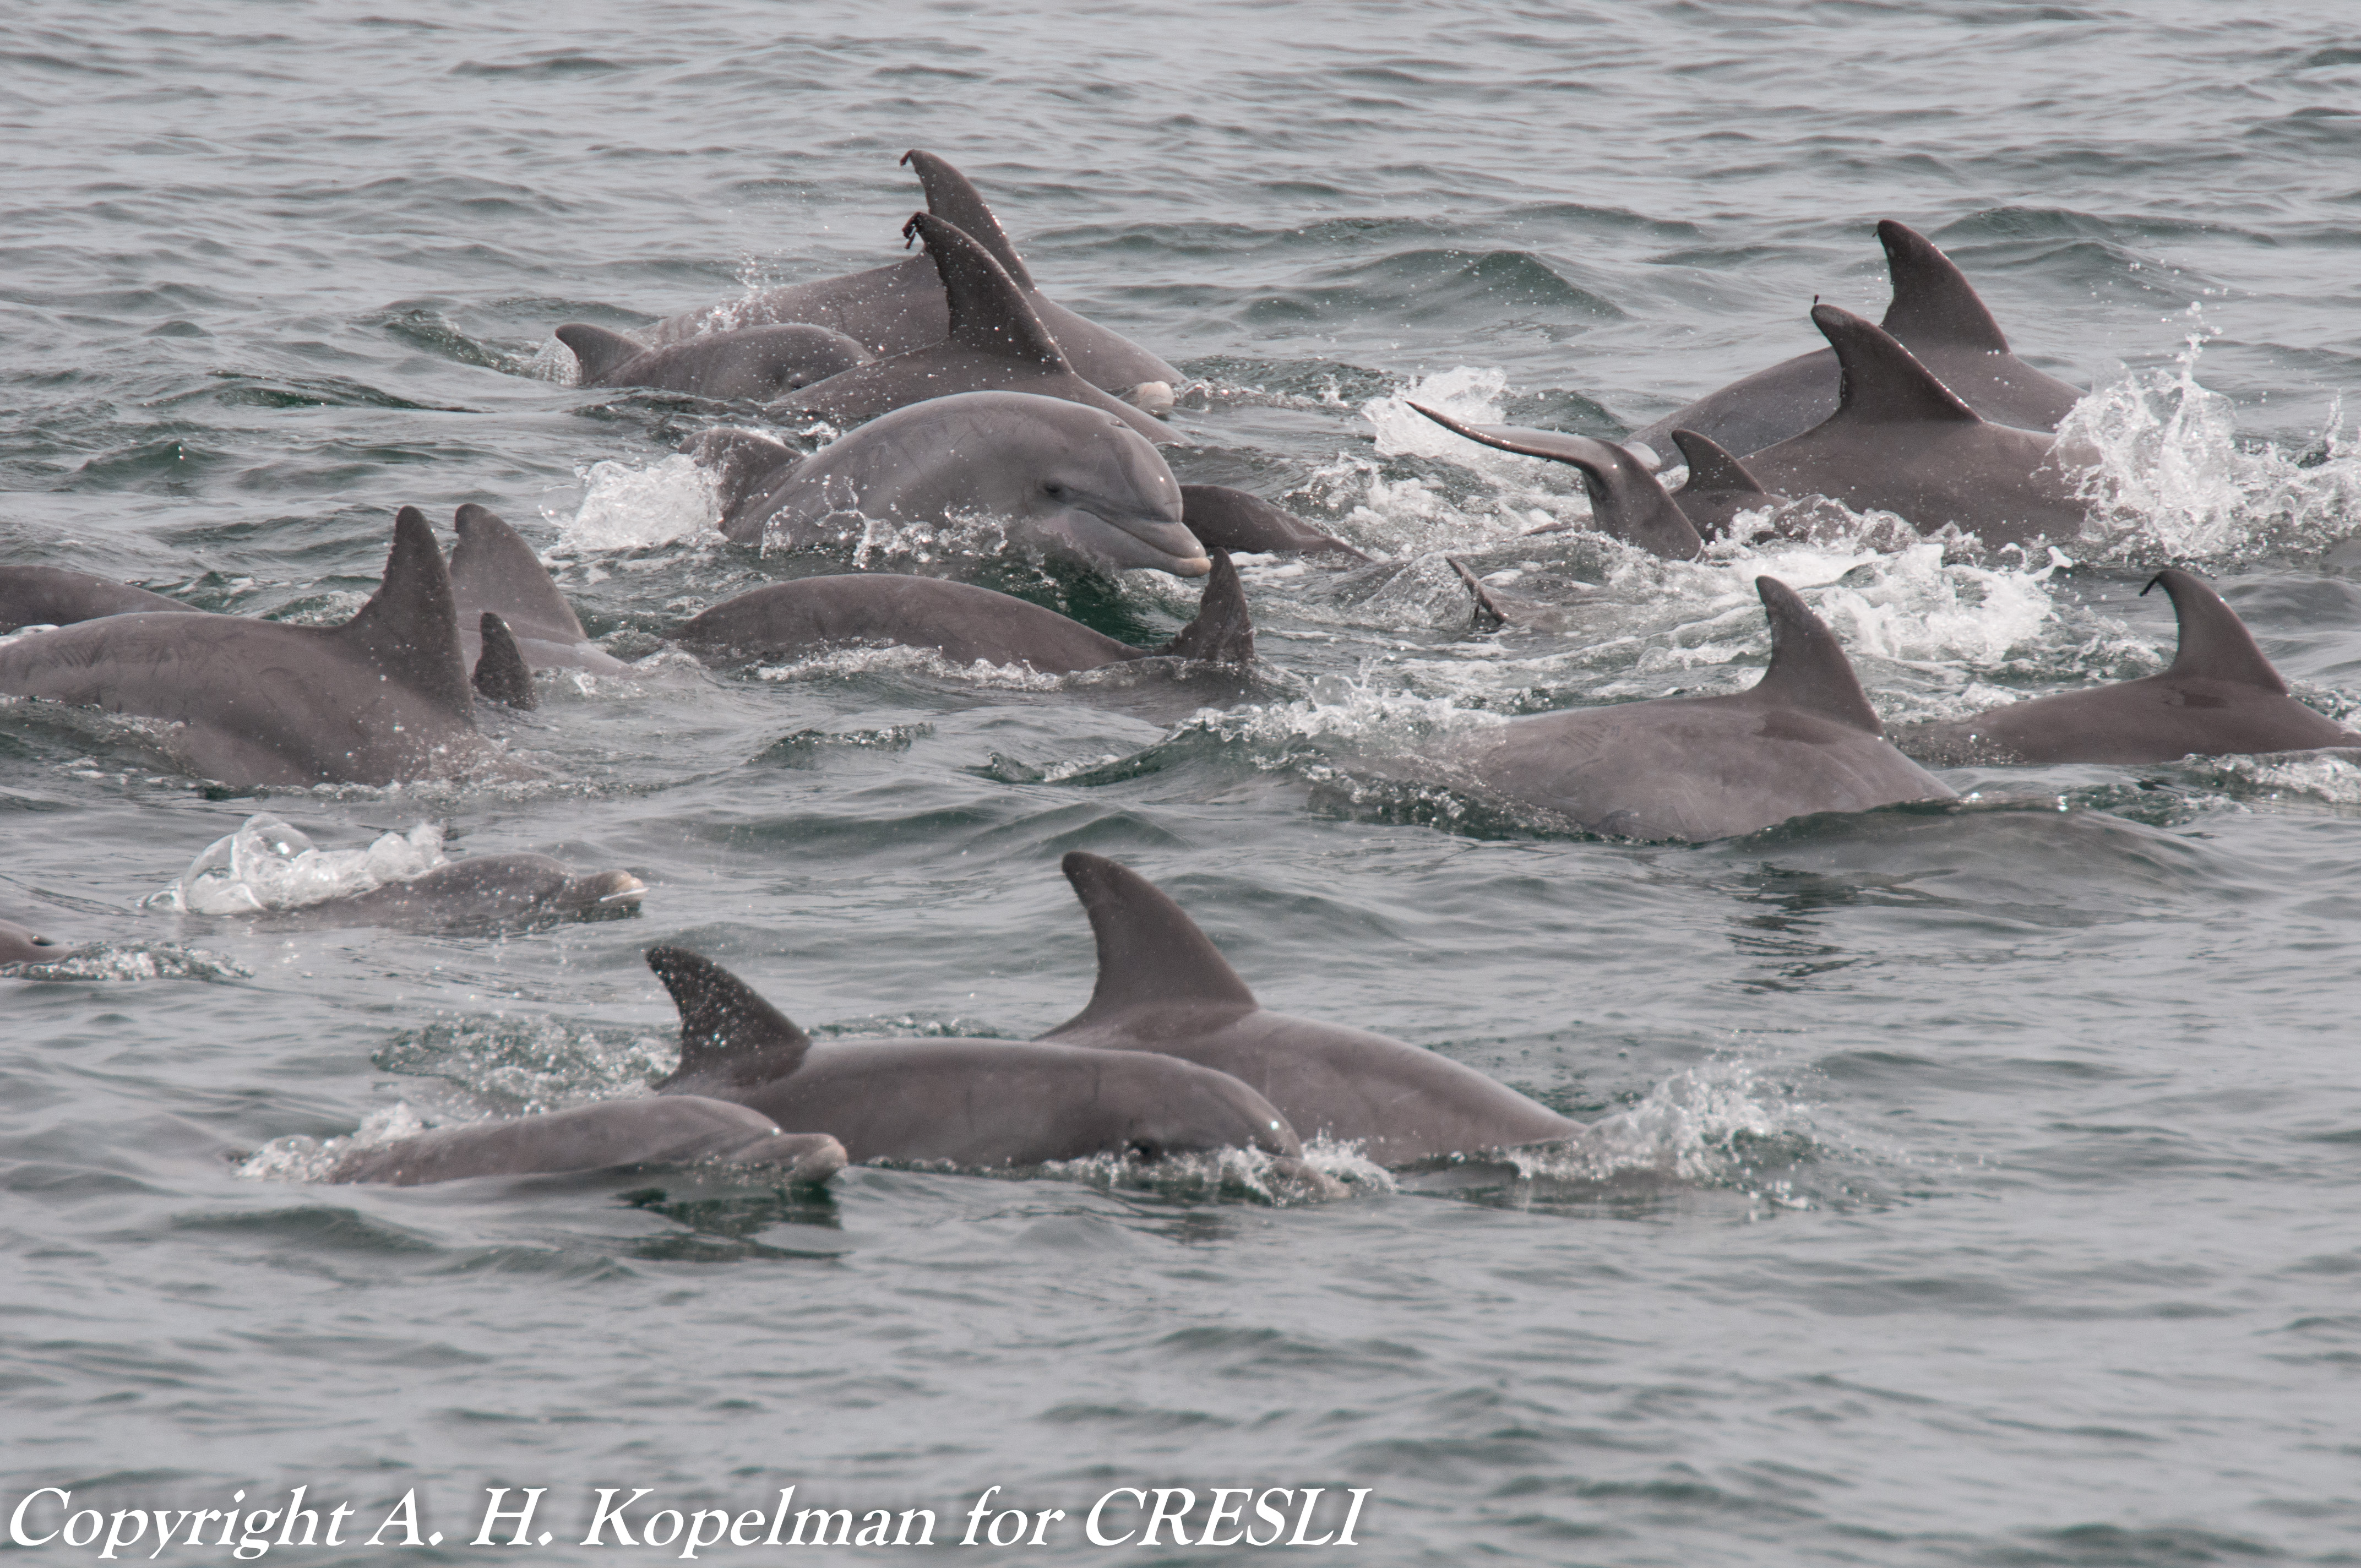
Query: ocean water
x,y
1968,1186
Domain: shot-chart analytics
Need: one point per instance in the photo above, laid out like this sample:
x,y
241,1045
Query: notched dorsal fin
x,y
1712,470
951,197
1223,632
2214,643
410,627
1149,952
1627,500
726,1029
1880,381
1933,301
501,674
1808,668
494,568
989,312
597,350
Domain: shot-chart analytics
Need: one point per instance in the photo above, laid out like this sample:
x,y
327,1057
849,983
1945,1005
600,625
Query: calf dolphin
x,y
1935,313
1803,740
55,596
1627,500
977,1104
384,697
1163,987
1065,479
1245,524
2221,696
962,622
680,1129
752,362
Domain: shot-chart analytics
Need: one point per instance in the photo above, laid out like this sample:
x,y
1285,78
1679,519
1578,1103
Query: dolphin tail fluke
x,y
1808,668
1487,615
1933,301
409,629
1881,382
2214,643
725,1029
501,674
1223,632
494,568
989,313
597,350
951,197
1150,953
1711,468
1627,500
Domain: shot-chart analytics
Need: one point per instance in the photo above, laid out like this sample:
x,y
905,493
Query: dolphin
x,y
55,596
995,343
1163,987
893,308
752,362
975,1105
382,697
1066,479
493,569
479,891
960,622
1627,500
1902,441
1246,524
1936,314
1804,739
22,945
2221,696
680,1129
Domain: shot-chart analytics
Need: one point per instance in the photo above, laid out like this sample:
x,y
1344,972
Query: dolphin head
x,y
20,946
1110,499
1210,1111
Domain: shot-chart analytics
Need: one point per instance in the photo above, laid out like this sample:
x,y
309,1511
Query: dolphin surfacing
x,y
669,1130
756,363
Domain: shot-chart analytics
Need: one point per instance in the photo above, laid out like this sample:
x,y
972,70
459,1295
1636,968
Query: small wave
x,y
300,1158
833,663
102,961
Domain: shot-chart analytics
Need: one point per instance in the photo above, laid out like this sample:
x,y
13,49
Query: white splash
x,y
628,506
1467,393
267,865
301,1158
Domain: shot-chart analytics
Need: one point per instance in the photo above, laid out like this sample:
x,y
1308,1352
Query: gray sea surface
x,y
1974,1185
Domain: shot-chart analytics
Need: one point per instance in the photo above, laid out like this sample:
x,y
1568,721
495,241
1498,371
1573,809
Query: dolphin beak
x,y
616,890
1124,543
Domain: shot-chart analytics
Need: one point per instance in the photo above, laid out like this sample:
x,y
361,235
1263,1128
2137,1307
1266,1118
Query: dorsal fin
x,y
2214,643
1149,952
1712,470
950,197
410,627
1627,500
597,350
989,312
493,568
501,674
1933,302
726,1030
1808,668
1881,382
1223,632
1486,616
742,463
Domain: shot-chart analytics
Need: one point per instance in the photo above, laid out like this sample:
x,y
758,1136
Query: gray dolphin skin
x,y
1627,500
54,595
1245,524
963,623
1164,986
1803,740
1902,441
975,1105
1067,480
503,891
2220,697
753,362
22,945
384,697
492,568
668,1130
1935,313
893,308
994,343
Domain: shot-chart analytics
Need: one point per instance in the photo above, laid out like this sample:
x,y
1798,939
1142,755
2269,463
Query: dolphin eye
x,y
1146,1150
1053,487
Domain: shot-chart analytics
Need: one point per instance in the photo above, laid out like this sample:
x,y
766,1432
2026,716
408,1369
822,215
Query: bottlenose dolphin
x,y
680,1129
55,596
1245,524
1804,739
1065,479
962,622
1627,500
1936,314
1901,441
1163,987
996,344
893,308
973,1104
753,362
22,945
493,569
384,697
2220,697
479,891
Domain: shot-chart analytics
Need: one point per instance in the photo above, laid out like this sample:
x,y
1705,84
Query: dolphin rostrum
x,y
679,1129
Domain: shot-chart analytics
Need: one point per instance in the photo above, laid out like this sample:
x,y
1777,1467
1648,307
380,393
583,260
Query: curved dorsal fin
x,y
1933,302
1881,382
1627,500
597,350
1223,632
1808,668
493,568
1711,468
950,197
2214,643
1149,952
501,674
989,312
726,1030
410,627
